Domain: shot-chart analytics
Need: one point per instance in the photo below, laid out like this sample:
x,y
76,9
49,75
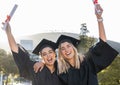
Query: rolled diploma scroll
x,y
95,2
10,16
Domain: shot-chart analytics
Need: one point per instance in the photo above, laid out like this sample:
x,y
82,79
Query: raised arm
x,y
11,40
101,29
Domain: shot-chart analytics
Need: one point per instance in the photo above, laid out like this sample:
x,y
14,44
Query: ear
x,y
40,55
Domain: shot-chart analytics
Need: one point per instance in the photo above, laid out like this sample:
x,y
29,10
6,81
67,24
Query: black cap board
x,y
64,38
44,43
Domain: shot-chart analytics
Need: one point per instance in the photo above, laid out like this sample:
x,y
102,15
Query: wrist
x,y
100,19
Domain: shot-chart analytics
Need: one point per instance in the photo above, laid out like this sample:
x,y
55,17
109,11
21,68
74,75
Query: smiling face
x,y
67,50
48,55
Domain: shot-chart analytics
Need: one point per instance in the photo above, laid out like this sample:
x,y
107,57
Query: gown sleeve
x,y
23,62
101,55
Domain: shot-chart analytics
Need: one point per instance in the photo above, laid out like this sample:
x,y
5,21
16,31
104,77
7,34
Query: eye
x,y
44,54
62,48
51,51
68,46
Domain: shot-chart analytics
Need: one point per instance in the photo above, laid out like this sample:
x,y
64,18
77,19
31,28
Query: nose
x,y
66,50
48,55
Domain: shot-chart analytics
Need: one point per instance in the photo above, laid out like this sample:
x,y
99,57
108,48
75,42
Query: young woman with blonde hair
x,y
75,69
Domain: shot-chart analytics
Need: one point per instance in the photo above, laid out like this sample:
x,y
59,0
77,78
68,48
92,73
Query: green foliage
x,y
7,64
2,53
86,43
111,75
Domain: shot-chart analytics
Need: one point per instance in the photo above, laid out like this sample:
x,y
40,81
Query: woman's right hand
x,y
8,27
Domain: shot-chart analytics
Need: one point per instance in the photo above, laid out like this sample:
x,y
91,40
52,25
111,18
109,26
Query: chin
x,y
69,57
50,64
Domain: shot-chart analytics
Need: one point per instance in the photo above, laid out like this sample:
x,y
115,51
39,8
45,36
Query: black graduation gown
x,y
98,57
25,66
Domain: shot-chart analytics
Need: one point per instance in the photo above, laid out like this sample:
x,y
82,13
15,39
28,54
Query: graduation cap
x,y
44,43
64,38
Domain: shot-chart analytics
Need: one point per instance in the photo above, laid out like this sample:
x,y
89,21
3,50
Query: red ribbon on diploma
x,y
8,18
95,1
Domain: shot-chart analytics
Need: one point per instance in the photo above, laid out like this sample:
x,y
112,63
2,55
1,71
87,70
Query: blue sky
x,y
39,16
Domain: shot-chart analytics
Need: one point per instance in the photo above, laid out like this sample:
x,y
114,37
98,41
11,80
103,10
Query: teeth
x,y
49,60
68,53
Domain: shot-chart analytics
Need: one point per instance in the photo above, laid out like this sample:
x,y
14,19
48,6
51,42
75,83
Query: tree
x,y
7,64
111,75
83,29
85,43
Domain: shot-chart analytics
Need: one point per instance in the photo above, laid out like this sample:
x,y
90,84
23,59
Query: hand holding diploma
x,y
10,16
95,2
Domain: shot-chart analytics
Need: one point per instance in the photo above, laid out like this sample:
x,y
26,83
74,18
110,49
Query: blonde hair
x,y
63,65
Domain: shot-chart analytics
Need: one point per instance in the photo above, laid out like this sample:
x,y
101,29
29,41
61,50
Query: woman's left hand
x,y
98,11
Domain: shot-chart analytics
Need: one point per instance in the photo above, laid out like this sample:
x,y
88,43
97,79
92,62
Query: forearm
x,y
101,29
12,42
